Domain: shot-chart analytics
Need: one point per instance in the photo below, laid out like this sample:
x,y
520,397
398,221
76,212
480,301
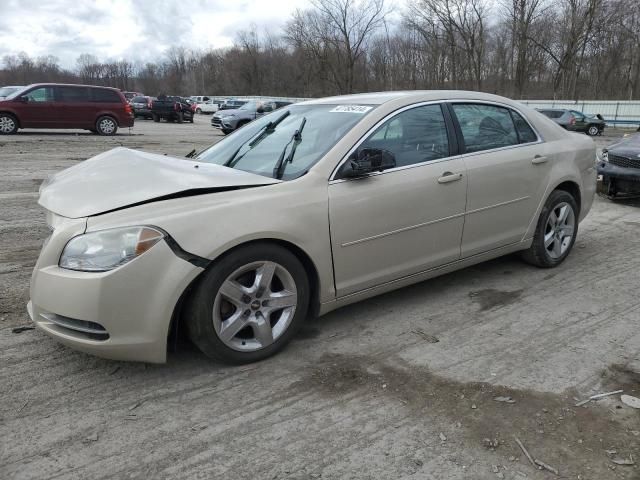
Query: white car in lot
x,y
208,106
314,206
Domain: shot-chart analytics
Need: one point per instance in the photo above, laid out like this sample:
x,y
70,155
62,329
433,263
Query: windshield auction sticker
x,y
351,109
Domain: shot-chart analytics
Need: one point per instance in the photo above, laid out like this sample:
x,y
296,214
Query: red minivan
x,y
50,105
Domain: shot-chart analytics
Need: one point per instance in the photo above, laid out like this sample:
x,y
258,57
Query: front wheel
x,y
8,124
155,117
249,304
556,231
593,130
106,126
199,110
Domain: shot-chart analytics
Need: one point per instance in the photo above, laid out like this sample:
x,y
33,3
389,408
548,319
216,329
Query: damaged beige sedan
x,y
312,207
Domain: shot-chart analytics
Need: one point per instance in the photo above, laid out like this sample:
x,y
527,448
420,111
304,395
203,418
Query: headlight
x,y
108,249
228,116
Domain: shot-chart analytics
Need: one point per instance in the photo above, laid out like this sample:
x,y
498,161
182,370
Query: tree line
x,y
524,49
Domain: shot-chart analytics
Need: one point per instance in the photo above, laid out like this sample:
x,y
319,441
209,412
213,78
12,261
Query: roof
x,y
53,84
378,98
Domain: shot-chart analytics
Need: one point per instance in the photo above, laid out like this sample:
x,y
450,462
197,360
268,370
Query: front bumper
x,y
614,180
223,123
122,314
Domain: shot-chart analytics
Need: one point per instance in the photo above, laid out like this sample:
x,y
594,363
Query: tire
x,y
254,330
593,130
226,131
8,124
106,125
155,117
180,118
559,237
199,110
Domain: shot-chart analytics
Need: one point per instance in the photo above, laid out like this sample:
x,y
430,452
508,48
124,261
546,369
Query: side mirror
x,y
368,160
260,110
24,99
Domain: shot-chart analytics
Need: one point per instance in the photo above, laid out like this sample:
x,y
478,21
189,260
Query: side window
x,y
44,94
525,132
485,126
102,95
72,94
413,136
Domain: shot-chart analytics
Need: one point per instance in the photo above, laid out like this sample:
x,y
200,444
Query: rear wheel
x,y
198,110
155,117
593,130
8,124
249,304
106,126
180,117
556,231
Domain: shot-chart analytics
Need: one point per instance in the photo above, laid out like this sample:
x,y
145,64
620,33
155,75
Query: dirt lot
x,y
399,386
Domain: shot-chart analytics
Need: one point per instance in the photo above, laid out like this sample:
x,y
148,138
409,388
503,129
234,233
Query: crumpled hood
x,y
122,177
627,147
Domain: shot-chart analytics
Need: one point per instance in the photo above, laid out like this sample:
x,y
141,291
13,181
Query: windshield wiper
x,y
260,135
296,138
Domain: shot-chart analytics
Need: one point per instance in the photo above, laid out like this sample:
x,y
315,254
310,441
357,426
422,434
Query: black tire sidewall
x,y
15,122
556,197
589,130
199,319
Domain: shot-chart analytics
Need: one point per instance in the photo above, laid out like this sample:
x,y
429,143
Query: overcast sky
x,y
131,29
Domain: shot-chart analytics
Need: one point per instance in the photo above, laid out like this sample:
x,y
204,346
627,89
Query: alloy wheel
x,y
107,126
7,124
593,130
254,306
559,230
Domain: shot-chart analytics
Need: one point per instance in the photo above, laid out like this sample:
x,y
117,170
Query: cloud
x,y
136,30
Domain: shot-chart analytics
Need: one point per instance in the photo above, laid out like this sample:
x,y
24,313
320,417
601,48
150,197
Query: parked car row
x,y
100,110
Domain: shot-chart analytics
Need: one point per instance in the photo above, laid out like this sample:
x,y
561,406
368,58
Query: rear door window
x,y
72,94
525,132
485,127
101,95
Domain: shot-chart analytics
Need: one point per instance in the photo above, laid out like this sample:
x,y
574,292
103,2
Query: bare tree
x,y
337,32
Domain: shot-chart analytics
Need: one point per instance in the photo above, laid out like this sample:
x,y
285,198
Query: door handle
x,y
538,159
448,177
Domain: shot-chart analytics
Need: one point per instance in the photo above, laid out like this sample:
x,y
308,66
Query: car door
x,y
37,108
406,219
581,122
76,110
508,168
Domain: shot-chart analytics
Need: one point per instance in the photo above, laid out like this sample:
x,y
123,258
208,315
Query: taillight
x,y
176,107
572,120
127,108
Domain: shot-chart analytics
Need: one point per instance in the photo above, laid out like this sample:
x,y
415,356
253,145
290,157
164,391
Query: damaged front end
x,y
618,175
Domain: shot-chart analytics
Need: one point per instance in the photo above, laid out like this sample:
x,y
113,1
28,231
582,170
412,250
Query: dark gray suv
x,y
575,121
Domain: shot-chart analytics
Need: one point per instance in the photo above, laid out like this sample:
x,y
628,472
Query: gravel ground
x,y
399,386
